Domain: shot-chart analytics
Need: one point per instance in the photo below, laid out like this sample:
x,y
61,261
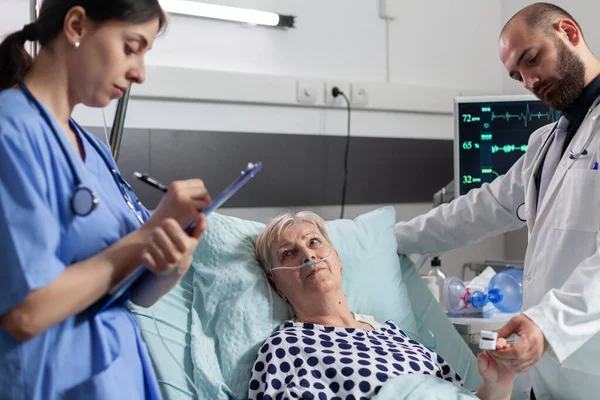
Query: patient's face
x,y
297,245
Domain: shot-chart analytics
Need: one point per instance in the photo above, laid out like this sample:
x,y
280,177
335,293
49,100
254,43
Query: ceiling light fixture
x,y
226,13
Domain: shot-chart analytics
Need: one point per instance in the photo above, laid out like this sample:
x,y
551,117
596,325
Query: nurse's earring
x,y
76,45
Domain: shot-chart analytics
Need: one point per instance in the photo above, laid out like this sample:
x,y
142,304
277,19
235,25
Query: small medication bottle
x,y
487,340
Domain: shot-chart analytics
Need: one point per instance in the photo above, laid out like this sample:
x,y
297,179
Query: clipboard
x,y
250,172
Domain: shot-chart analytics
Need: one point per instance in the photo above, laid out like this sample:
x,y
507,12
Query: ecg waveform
x,y
527,116
509,148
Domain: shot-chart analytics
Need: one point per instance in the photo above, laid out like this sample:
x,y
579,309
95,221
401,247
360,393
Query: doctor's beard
x,y
569,87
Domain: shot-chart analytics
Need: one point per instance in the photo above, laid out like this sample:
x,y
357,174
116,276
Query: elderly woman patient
x,y
327,351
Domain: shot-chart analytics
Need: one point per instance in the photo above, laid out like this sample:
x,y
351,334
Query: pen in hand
x,y
157,185
150,181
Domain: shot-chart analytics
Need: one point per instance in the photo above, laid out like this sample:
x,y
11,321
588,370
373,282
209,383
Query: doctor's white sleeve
x,y
569,316
481,213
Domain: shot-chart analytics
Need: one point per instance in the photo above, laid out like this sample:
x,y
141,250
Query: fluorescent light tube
x,y
214,11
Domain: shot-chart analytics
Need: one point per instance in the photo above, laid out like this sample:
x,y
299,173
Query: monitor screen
x,y
491,134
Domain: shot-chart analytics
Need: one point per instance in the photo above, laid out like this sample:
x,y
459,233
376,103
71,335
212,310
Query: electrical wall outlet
x,y
336,101
358,95
307,91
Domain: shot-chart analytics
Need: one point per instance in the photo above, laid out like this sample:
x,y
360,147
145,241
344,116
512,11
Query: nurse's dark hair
x,y
542,16
15,60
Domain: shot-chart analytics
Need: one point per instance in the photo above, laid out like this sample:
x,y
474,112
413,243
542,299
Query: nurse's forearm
x,y
78,287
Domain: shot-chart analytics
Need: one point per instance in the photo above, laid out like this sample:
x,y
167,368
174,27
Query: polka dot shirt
x,y
309,361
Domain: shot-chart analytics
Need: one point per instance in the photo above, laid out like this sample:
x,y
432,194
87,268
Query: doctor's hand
x,y
169,248
526,351
183,201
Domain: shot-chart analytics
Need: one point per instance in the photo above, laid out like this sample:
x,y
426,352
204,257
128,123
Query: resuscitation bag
x,y
505,292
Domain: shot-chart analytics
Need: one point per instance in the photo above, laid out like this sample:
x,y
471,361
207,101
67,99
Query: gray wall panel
x,y
397,170
292,172
134,155
299,170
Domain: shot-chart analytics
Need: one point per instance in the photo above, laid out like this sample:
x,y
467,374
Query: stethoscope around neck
x,y
583,152
84,200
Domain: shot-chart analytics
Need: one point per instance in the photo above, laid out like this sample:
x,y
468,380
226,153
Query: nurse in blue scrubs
x,y
70,226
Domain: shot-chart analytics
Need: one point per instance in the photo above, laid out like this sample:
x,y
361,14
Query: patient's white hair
x,y
277,226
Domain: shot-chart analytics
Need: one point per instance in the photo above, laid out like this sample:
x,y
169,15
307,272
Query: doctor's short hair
x,y
14,59
542,16
280,224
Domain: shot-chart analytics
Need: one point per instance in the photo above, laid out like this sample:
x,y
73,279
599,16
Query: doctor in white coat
x,y
558,183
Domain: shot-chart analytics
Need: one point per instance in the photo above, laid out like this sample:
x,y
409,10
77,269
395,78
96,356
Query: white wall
x,y
13,15
432,44
447,43
584,11
332,39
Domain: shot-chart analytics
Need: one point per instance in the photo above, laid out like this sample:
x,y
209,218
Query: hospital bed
x,y
214,321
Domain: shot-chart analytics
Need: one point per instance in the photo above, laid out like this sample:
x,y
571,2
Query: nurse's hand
x,y
169,249
526,351
183,201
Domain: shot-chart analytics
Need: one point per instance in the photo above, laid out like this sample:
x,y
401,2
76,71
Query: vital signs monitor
x,y
491,134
